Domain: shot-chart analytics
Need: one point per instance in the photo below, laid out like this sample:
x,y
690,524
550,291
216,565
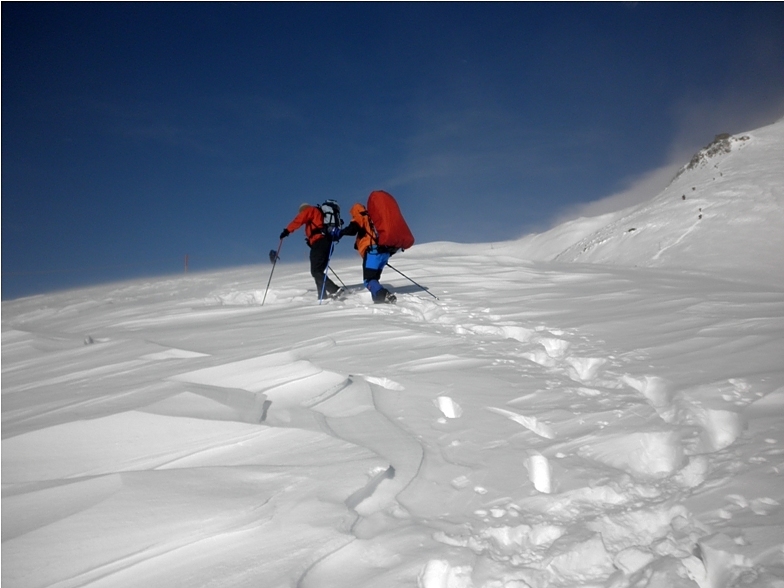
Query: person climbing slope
x,y
319,235
373,260
379,235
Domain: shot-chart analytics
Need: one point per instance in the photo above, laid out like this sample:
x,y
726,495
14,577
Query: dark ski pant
x,y
319,259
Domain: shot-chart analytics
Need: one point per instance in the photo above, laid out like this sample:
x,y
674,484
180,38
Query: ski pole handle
x,y
274,263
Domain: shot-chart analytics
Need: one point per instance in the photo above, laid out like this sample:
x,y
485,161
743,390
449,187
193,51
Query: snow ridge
x,y
723,211
721,145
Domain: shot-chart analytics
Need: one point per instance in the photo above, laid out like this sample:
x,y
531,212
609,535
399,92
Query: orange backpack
x,y
391,228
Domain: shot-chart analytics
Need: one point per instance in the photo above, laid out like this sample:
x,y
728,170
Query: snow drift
x,y
618,423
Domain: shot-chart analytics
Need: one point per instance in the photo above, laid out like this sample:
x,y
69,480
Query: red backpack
x,y
392,229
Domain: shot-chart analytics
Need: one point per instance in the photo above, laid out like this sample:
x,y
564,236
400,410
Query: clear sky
x,y
136,133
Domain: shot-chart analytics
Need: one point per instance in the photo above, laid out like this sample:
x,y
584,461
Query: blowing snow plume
x,y
723,210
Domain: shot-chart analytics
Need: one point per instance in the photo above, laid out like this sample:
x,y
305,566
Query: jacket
x,y
313,220
362,227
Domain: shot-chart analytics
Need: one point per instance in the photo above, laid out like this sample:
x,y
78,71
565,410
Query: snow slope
x,y
722,211
538,424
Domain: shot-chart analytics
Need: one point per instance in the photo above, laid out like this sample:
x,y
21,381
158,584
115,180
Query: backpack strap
x,y
373,233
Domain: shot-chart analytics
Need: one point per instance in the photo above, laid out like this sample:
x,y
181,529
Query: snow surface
x,y
540,424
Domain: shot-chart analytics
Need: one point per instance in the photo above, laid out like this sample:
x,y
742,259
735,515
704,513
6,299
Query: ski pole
x,y
326,272
412,281
334,273
274,262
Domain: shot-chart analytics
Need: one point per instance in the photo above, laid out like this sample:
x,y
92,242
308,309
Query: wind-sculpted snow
x,y
535,426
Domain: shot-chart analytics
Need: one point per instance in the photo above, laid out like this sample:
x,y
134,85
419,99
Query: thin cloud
x,y
474,142
202,125
637,190
698,123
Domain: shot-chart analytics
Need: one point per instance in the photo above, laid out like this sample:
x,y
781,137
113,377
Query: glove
x,y
335,234
285,234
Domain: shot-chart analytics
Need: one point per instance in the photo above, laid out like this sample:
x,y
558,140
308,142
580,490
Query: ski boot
x,y
384,296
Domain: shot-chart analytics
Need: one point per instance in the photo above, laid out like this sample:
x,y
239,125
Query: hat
x,y
303,206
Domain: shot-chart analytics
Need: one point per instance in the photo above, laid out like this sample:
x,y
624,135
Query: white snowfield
x,y
542,424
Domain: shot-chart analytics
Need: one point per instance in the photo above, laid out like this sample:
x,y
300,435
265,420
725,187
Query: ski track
x,y
554,529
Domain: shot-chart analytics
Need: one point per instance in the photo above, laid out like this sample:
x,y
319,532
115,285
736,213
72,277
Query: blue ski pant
x,y
372,265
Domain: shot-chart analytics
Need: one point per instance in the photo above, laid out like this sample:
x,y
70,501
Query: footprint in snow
x,y
448,407
555,348
584,369
529,422
384,383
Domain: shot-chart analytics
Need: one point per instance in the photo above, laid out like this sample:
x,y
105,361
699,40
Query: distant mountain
x,y
724,210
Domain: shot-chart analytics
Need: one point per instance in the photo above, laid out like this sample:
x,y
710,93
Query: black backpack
x,y
331,212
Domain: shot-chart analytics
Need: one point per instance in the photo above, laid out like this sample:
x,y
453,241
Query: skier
x,y
374,256
320,239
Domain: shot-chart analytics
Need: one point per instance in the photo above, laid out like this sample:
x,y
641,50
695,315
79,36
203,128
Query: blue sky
x,y
136,133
